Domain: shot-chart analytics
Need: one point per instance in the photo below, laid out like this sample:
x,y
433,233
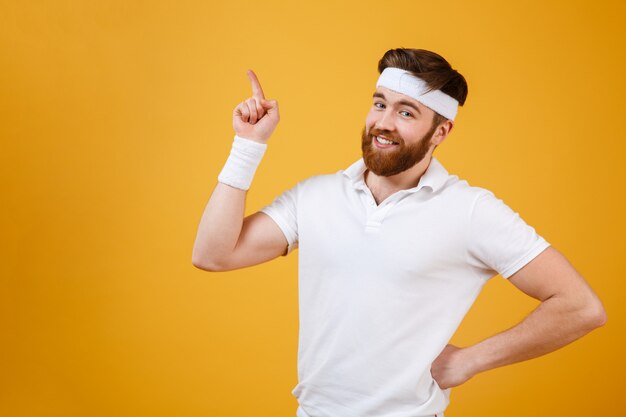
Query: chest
x,y
413,233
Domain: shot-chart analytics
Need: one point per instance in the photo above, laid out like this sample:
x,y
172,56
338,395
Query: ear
x,y
442,131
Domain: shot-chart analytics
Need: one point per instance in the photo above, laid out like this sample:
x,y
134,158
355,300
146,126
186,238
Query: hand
x,y
255,118
450,368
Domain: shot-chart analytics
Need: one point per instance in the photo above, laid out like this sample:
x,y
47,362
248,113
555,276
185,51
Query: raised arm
x,y
225,240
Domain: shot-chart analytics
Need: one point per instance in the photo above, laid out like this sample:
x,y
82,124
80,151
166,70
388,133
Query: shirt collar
x,y
434,177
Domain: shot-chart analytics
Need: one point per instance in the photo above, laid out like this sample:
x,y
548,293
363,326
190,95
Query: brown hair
x,y
430,67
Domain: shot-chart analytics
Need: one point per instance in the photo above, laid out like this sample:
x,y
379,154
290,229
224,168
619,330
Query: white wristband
x,y
245,156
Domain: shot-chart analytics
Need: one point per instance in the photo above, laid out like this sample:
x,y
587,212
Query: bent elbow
x,y
200,259
206,264
597,316
207,267
601,317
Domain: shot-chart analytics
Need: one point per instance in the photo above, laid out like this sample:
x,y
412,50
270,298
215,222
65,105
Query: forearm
x,y
552,325
222,220
220,225
220,228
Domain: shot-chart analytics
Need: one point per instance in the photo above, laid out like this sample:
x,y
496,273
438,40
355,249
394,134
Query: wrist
x,y
250,139
470,359
253,137
245,157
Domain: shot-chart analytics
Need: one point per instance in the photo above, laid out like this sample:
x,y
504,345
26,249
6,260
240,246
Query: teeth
x,y
383,141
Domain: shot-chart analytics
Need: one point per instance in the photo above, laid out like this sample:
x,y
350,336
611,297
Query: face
x,y
405,122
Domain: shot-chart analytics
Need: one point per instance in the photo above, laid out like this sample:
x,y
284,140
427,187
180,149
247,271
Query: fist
x,y
450,368
255,118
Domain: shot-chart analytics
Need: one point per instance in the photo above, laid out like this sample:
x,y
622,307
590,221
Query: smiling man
x,y
393,251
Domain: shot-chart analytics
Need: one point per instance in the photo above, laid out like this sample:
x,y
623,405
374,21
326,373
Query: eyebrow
x,y
405,102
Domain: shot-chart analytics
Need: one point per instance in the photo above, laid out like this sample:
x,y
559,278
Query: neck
x,y
382,187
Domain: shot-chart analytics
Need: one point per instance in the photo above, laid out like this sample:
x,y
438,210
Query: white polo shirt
x,y
382,288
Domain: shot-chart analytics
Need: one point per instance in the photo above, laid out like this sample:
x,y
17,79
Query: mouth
x,y
382,142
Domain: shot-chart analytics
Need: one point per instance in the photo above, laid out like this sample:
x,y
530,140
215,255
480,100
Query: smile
x,y
383,143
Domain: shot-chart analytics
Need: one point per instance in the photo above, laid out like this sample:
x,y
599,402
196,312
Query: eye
x,y
407,113
382,106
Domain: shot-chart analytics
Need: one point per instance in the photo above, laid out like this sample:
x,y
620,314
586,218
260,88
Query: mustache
x,y
387,134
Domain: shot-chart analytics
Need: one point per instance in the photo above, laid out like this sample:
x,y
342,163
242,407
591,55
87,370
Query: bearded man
x,y
392,251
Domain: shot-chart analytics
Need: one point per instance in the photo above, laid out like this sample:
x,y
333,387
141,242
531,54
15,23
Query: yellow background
x,y
116,118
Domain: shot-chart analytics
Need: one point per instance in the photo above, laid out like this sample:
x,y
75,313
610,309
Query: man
x,y
393,251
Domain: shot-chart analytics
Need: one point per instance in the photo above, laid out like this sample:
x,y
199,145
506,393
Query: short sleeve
x,y
499,239
283,210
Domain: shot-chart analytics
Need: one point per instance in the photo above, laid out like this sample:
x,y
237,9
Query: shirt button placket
x,y
378,214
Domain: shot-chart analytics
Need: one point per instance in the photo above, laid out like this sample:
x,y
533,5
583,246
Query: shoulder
x,y
321,181
450,187
461,192
312,187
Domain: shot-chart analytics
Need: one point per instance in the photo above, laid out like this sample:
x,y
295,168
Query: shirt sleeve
x,y
283,210
499,239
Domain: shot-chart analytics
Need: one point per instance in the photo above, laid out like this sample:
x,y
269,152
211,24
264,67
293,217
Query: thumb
x,y
268,104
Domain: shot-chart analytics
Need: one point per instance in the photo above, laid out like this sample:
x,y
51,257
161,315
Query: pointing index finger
x,y
257,91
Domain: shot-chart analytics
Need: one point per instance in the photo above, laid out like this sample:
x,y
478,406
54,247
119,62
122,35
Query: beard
x,y
399,158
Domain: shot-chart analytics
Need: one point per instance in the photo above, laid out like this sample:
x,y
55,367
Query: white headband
x,y
404,82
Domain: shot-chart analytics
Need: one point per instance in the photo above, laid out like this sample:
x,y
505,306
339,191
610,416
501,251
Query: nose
x,y
385,121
